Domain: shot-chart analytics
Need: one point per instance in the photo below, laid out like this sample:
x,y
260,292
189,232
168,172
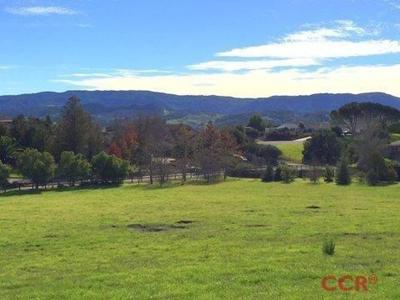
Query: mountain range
x,y
108,105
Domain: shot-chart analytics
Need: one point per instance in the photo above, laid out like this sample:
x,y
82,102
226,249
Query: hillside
x,y
107,105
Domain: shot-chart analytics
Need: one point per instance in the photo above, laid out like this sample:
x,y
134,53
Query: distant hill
x,y
108,105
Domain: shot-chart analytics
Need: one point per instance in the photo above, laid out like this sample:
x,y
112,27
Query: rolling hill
x,y
107,105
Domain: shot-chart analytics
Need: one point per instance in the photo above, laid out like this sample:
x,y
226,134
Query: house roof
x,y
288,126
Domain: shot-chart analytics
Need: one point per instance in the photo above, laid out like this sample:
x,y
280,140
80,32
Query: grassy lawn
x,y
395,137
248,240
292,152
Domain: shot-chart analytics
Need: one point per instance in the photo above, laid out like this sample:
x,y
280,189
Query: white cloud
x,y
278,68
339,41
343,29
89,75
260,83
40,10
317,49
393,3
230,66
5,67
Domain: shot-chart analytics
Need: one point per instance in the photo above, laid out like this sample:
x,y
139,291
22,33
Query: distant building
x,y
6,123
290,126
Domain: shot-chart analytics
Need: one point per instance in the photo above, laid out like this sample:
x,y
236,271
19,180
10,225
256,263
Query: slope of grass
x,y
292,151
248,240
394,137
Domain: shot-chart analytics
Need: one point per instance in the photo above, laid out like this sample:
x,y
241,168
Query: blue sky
x,y
245,48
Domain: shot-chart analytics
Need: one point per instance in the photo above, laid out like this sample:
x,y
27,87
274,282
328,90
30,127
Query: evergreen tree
x,y
76,131
343,174
329,174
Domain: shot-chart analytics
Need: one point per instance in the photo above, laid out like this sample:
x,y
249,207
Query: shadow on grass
x,y
175,184
143,186
58,190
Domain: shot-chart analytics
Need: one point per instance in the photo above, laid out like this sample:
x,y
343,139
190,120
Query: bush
x,y
396,167
4,174
278,174
288,174
268,174
372,177
323,148
314,174
73,167
343,174
244,170
109,168
37,166
268,153
392,174
328,247
378,170
301,173
329,174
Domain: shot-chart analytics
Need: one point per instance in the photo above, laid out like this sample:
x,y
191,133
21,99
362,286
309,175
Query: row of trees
x,y
81,148
75,131
76,148
155,147
40,168
341,175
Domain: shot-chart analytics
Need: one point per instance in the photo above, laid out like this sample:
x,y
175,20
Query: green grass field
x,y
394,137
248,240
292,151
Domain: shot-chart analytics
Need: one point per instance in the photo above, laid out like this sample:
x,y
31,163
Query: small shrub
x,y
4,174
244,170
314,175
372,177
328,248
343,174
329,174
278,174
268,175
301,173
392,174
288,174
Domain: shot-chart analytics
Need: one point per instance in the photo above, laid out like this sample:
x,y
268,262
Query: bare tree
x,y
183,138
153,147
208,151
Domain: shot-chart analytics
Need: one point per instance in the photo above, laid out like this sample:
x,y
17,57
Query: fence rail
x,y
25,185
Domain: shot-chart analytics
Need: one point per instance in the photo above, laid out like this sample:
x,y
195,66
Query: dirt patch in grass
x,y
185,222
313,207
155,227
51,236
256,225
250,210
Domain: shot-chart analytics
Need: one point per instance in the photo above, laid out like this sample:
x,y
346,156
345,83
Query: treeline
x,y
358,139
74,148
